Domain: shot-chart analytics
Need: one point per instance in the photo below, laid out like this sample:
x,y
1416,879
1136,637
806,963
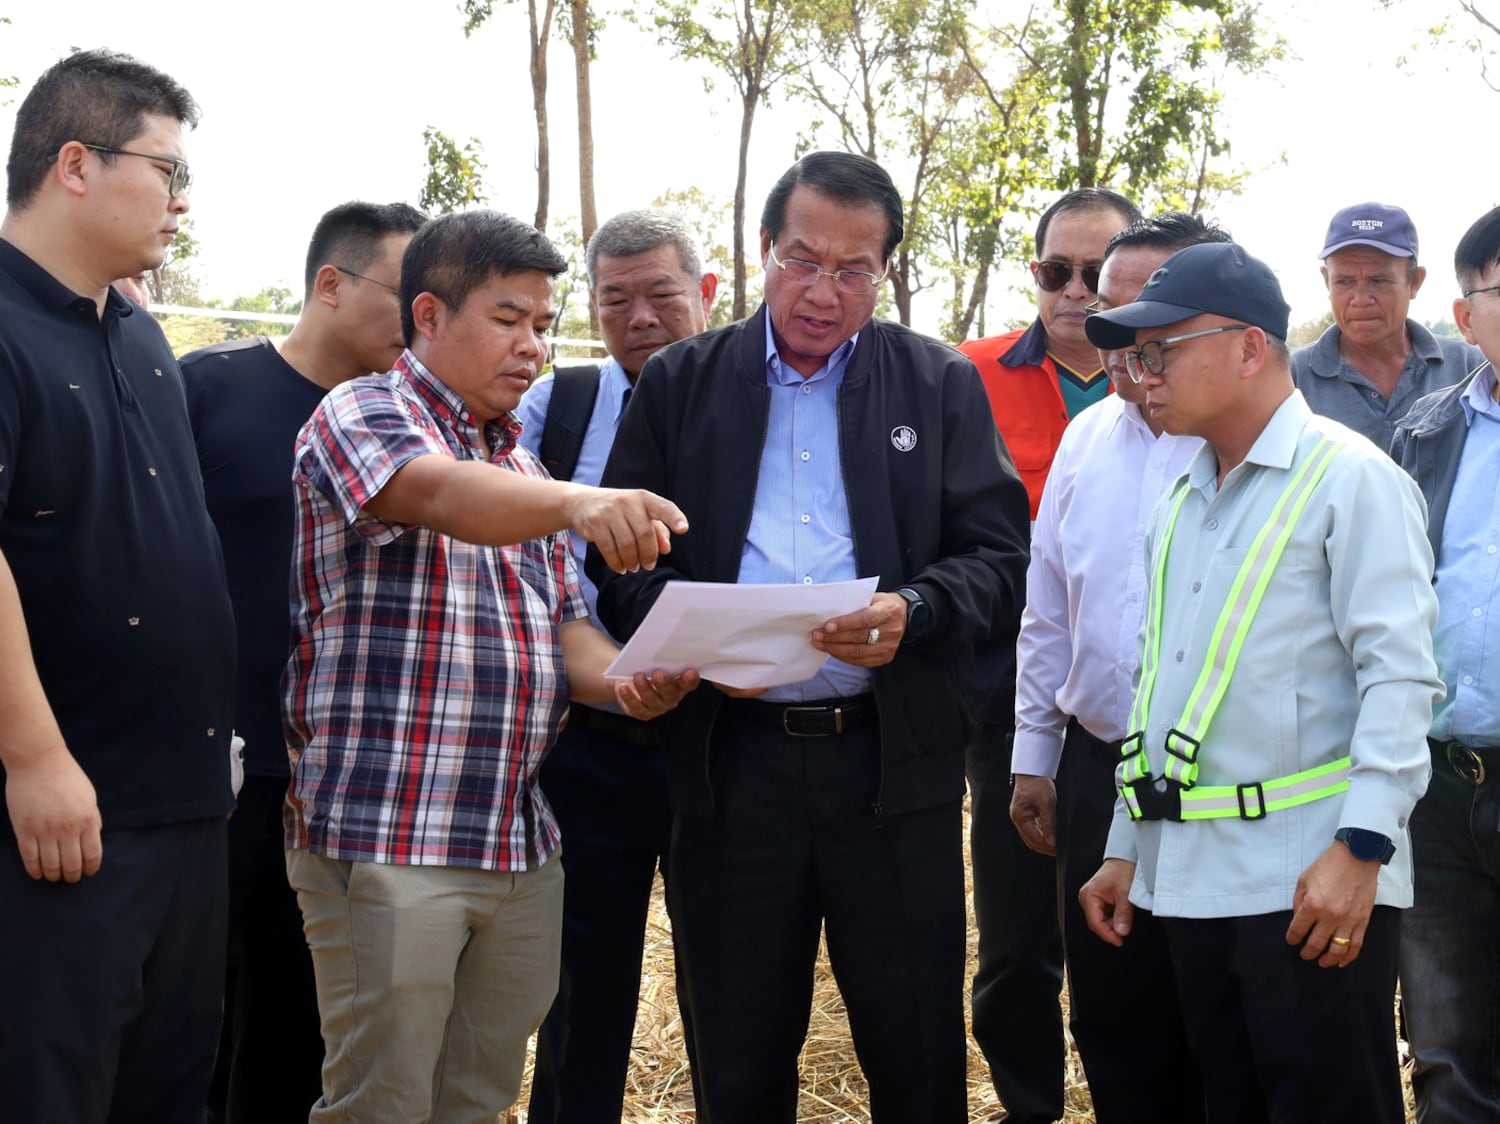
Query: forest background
x,y
1266,117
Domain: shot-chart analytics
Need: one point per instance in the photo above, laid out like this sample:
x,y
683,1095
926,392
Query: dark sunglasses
x,y
1055,275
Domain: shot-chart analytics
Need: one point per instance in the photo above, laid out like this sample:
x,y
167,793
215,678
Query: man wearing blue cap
x,y
1373,362
1279,728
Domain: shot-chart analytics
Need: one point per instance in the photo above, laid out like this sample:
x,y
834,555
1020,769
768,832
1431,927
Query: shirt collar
x,y
778,371
1479,396
52,293
1276,447
613,385
1030,348
501,435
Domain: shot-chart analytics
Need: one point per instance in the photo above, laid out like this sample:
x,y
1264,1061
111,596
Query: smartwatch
x,y
918,613
1368,846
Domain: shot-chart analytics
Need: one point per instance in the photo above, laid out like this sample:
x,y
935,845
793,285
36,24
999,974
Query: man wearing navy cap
x,y
1278,739
1373,363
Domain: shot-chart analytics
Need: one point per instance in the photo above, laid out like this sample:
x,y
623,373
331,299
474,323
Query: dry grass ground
x,y
833,1089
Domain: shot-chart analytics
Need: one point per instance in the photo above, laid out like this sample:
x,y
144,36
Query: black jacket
x,y
946,516
1428,443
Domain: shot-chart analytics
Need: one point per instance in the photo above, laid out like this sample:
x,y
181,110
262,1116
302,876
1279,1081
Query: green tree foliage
x,y
175,281
7,81
455,175
748,42
273,298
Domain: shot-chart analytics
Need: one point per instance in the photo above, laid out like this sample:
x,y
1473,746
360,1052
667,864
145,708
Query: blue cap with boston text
x,y
1386,228
1218,278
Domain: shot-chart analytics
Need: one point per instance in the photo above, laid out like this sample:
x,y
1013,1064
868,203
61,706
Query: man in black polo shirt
x,y
247,400
116,634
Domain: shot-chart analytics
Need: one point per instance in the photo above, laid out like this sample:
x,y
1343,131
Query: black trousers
x,y
1122,1002
1016,1009
269,1069
110,988
795,847
1281,1039
610,799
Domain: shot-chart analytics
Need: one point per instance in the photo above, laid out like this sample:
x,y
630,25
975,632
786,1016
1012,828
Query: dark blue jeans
x,y
1450,961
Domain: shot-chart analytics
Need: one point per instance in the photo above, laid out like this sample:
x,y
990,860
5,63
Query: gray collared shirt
x,y
1336,390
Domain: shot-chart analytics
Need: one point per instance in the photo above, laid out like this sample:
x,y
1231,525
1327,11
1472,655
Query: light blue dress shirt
x,y
799,528
614,386
1467,640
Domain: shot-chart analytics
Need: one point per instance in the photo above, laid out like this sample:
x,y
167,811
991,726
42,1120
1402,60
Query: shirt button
x,y
1491,548
1468,680
1211,525
210,731
1478,613
806,518
1179,655
806,455
1197,586
152,471
806,389
807,580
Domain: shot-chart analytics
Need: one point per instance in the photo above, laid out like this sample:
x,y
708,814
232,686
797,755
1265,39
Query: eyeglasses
x,y
1053,276
1150,357
179,179
371,280
855,281
1487,289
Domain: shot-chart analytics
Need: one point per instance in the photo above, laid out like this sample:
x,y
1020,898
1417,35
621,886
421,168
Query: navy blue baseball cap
x,y
1384,227
1214,277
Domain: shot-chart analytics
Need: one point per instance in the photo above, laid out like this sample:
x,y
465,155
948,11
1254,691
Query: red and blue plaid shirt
x,y
426,681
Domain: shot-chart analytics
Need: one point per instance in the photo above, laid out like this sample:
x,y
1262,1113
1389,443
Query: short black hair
x,y
846,177
1085,199
1477,250
1170,231
454,254
350,235
96,97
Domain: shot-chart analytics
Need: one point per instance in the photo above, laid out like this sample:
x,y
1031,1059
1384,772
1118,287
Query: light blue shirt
x,y
799,527
1337,662
614,384
1467,640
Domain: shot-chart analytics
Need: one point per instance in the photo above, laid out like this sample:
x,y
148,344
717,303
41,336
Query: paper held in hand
x,y
739,635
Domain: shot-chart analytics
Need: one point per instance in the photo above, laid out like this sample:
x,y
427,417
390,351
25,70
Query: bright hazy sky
x,y
307,103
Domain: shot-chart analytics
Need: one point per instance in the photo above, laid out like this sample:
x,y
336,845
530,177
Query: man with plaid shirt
x,y
438,633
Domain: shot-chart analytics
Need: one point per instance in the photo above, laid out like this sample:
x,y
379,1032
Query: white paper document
x,y
739,635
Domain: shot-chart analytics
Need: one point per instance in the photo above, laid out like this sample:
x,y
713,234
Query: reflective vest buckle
x,y
1188,754
1255,787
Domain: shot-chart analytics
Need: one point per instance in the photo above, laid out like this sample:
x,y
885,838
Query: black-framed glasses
x,y
1150,358
371,280
179,179
1053,276
854,281
1487,289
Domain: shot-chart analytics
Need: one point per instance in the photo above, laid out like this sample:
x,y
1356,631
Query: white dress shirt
x,y
1337,662
1086,585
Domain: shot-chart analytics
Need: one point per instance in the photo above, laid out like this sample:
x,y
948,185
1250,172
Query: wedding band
x,y
1342,942
873,637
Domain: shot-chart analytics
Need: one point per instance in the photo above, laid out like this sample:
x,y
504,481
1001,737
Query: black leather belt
x,y
629,730
823,718
1468,761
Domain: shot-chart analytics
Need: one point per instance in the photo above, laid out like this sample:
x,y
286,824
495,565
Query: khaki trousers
x,y
430,981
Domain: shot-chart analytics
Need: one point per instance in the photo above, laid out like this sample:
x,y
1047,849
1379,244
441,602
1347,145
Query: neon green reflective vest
x,y
1180,797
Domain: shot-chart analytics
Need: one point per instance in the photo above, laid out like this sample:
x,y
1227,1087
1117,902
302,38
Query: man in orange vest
x,y
1037,378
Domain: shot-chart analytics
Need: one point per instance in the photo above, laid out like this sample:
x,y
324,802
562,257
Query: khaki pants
x,y
430,981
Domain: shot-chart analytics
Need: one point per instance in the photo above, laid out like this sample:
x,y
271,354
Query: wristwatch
x,y
918,613
1368,846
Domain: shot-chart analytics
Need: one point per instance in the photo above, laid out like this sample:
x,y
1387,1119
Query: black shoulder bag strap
x,y
574,391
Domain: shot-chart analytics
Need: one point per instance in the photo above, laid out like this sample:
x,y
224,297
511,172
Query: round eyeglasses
x,y
1150,358
854,281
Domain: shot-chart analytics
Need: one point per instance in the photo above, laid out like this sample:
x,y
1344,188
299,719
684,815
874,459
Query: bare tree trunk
x,y
747,118
539,36
587,212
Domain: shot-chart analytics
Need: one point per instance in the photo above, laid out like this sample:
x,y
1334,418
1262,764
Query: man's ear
x,y
1254,348
1463,317
1417,279
328,285
708,285
426,313
70,168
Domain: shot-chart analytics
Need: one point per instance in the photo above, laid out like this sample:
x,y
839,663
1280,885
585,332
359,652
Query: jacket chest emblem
x,y
904,438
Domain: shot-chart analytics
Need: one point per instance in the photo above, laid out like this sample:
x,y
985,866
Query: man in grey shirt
x,y
1373,363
